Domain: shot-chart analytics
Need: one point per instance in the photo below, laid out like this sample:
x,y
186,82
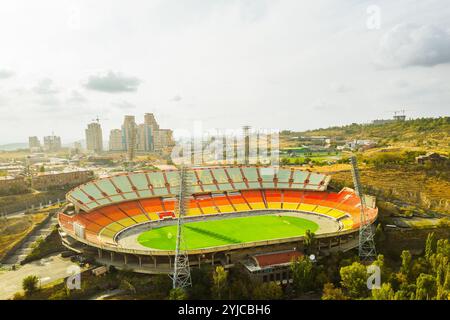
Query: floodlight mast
x,y
181,274
367,251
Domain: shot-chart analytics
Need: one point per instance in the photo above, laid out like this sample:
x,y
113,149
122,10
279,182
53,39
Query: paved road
x,y
48,270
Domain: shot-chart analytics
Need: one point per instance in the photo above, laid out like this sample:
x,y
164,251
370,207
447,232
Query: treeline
x,y
426,277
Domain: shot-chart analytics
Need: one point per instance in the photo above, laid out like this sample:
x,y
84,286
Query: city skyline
x,y
288,65
148,137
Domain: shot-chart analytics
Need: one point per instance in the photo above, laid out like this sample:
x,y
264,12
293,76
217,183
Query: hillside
x,y
13,146
424,133
389,171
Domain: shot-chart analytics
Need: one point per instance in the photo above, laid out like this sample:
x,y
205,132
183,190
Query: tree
x,y
332,293
219,279
429,245
240,284
379,234
201,283
384,293
30,285
406,293
405,269
177,294
309,240
379,262
354,280
420,265
302,274
127,286
425,287
268,291
42,169
443,290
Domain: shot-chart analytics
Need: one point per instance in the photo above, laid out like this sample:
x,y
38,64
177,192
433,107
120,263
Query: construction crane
x,y
97,119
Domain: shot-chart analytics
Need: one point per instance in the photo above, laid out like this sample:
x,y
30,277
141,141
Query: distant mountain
x,y
13,146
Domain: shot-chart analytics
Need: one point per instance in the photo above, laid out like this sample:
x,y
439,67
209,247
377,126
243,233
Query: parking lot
x,y
48,270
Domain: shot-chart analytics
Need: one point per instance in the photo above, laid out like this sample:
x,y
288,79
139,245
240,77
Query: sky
x,y
280,64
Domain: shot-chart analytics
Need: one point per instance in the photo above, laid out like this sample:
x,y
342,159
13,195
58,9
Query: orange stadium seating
x,y
206,204
110,205
131,208
254,199
222,203
238,202
113,213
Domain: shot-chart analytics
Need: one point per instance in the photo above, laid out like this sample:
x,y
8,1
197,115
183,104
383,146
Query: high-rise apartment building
x,y
150,120
94,137
115,140
129,136
144,137
163,139
52,143
34,143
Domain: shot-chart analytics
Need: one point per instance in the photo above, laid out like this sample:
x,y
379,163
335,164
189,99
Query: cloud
x,y
50,102
76,98
408,45
3,101
399,83
177,98
45,87
5,74
112,82
323,106
124,105
340,88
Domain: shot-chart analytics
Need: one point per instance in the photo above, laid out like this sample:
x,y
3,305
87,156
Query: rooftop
x,y
272,259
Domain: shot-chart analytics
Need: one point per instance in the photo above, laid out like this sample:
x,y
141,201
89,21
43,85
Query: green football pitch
x,y
213,233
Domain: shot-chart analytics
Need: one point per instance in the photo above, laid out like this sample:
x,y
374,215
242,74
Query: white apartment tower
x,y
52,143
34,143
115,140
129,136
94,137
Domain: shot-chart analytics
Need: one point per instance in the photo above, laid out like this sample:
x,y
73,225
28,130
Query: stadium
x,y
236,213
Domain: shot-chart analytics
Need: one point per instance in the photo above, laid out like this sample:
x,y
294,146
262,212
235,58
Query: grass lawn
x,y
204,234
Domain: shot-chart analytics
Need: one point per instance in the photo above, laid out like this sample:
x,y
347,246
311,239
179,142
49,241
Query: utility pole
x,y
182,273
246,130
367,250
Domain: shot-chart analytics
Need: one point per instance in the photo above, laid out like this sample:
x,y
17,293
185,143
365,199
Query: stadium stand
x,y
255,199
107,206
